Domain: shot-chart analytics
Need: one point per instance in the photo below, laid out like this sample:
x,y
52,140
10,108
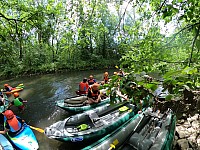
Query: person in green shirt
x,y
18,102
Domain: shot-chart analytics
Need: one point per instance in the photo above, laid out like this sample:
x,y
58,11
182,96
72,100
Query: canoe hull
x,y
108,120
79,107
123,137
5,106
13,91
5,143
25,140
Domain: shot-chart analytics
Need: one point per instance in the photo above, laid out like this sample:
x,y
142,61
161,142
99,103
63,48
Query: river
x,y
41,93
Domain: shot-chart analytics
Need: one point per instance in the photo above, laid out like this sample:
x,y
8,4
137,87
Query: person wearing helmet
x,y
18,102
7,88
12,123
94,94
91,80
83,87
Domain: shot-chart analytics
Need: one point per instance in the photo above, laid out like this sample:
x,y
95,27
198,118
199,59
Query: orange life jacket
x,y
83,86
94,95
14,124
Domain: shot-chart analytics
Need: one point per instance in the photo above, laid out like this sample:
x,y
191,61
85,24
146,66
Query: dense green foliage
x,y
174,55
148,35
46,36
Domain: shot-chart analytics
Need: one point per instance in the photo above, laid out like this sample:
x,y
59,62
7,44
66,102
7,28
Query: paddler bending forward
x,y
93,94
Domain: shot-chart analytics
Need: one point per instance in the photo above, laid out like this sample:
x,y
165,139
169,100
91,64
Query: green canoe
x,y
76,104
91,124
148,130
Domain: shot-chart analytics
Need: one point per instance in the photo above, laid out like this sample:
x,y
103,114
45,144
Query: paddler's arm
x,y
4,131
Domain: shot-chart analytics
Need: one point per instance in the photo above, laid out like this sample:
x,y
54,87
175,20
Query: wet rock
x,y
198,141
183,144
182,132
180,121
184,116
191,130
186,124
196,124
192,140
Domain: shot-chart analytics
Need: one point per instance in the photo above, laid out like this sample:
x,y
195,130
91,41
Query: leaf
x,y
198,44
189,70
169,97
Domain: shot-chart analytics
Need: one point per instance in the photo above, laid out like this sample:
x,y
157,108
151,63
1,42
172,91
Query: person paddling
x,y
7,88
91,80
18,102
12,123
94,95
83,86
106,78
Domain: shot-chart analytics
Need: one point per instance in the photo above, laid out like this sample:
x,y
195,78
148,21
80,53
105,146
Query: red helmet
x,y
16,94
8,114
6,85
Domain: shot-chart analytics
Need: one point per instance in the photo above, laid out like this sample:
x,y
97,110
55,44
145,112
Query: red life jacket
x,y
106,79
14,124
83,86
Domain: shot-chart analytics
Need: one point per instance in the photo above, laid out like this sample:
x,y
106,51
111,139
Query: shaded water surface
x,y
42,92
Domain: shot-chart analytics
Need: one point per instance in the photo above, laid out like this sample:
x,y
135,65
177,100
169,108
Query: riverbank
x,y
15,71
187,135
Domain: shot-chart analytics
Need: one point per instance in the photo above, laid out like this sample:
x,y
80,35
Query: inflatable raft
x,y
145,131
76,104
91,124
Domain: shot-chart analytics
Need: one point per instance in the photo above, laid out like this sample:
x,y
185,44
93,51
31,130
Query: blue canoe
x,y
25,139
5,144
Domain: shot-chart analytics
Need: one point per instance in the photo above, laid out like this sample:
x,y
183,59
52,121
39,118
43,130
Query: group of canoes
x,y
23,138
118,126
110,126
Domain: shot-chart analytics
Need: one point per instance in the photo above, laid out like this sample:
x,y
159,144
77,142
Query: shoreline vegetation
x,y
51,70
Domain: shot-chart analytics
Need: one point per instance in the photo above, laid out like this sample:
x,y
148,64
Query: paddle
x,y
37,129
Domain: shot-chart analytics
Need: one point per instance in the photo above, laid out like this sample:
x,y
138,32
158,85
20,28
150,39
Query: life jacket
x,y
91,81
9,88
83,86
14,125
106,79
17,102
94,95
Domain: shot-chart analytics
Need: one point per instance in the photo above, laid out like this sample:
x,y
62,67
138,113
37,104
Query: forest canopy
x,y
141,35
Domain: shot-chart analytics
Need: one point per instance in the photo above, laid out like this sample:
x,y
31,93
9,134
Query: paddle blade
x,y
37,129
